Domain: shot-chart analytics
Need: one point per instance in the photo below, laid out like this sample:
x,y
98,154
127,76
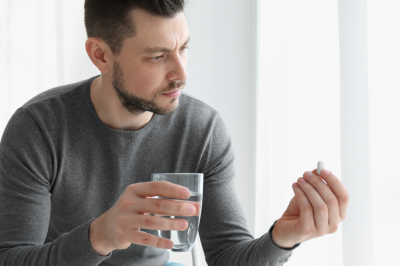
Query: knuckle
x,y
309,209
308,232
157,203
131,187
145,240
150,222
119,233
181,208
159,243
321,233
333,201
323,208
173,225
333,228
125,203
155,186
345,197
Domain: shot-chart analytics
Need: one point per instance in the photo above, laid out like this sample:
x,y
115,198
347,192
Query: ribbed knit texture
x,y
61,167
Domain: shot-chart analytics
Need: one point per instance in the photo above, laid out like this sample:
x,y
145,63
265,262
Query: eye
x,y
156,58
184,48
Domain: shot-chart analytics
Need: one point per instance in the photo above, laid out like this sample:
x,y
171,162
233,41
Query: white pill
x,y
320,167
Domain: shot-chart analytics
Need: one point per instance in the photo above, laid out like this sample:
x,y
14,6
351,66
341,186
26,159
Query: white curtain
x,y
328,90
38,50
384,107
299,110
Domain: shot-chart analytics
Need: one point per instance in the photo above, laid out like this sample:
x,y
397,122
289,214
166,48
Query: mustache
x,y
173,85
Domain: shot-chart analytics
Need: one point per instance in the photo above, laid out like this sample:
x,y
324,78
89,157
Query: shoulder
x,y
59,102
51,108
193,118
199,118
196,110
55,92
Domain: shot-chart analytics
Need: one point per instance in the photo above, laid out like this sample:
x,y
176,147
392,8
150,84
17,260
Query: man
x,y
75,161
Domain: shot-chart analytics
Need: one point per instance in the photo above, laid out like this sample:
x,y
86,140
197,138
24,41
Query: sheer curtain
x,y
384,99
299,110
24,66
38,50
328,90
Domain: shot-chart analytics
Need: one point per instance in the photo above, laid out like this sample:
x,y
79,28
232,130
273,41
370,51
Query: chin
x,y
170,108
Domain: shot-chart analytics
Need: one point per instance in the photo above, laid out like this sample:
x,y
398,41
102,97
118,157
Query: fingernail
x,y
325,172
308,174
191,210
295,185
184,224
301,180
185,193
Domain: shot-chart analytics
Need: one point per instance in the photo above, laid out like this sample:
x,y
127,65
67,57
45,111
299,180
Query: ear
x,y
100,54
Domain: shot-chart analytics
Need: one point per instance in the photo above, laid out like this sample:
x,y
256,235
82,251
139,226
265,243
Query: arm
x,y
224,235
27,159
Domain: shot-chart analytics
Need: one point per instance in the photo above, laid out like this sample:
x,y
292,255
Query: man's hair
x,y
112,22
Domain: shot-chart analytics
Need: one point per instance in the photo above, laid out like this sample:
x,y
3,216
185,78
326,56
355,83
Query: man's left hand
x,y
315,210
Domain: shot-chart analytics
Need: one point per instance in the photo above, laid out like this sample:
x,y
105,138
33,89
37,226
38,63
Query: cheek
x,y
144,83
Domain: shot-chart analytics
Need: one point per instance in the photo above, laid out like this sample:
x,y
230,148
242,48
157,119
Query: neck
x,y
110,110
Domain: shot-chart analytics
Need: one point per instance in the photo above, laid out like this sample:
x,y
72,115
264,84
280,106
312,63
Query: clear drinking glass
x,y
184,240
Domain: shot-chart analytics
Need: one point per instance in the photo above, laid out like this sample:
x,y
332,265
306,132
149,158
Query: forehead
x,y
155,30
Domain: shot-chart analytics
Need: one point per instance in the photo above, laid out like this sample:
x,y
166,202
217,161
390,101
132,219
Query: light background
x,y
272,69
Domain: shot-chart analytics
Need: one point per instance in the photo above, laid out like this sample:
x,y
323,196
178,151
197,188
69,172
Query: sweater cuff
x,y
270,234
77,247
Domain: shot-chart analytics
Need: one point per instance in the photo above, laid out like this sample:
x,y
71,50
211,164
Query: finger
x,y
338,189
328,196
306,210
145,239
159,188
167,207
320,209
315,172
160,223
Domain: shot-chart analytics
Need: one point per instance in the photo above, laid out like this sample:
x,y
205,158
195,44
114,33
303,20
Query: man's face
x,y
152,63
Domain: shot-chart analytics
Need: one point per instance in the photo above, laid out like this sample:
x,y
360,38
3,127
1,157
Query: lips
x,y
172,91
172,94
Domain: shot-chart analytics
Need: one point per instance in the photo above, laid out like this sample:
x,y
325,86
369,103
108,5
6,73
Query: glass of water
x,y
184,240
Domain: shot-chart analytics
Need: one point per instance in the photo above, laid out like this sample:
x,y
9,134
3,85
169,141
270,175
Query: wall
x,y
221,72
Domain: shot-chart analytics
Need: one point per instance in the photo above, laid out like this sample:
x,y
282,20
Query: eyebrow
x,y
154,50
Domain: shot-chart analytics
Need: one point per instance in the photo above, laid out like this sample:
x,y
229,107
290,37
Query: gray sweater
x,y
61,167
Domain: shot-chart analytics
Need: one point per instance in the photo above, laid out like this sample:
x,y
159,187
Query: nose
x,y
178,68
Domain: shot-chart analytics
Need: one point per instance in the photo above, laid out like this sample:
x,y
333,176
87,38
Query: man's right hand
x,y
119,227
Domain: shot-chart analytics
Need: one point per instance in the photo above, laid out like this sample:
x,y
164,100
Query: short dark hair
x,y
111,20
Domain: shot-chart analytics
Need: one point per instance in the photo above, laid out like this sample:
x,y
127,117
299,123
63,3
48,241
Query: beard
x,y
136,105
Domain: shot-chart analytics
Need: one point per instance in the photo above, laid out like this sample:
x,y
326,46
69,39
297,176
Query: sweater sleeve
x,y
223,230
26,174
